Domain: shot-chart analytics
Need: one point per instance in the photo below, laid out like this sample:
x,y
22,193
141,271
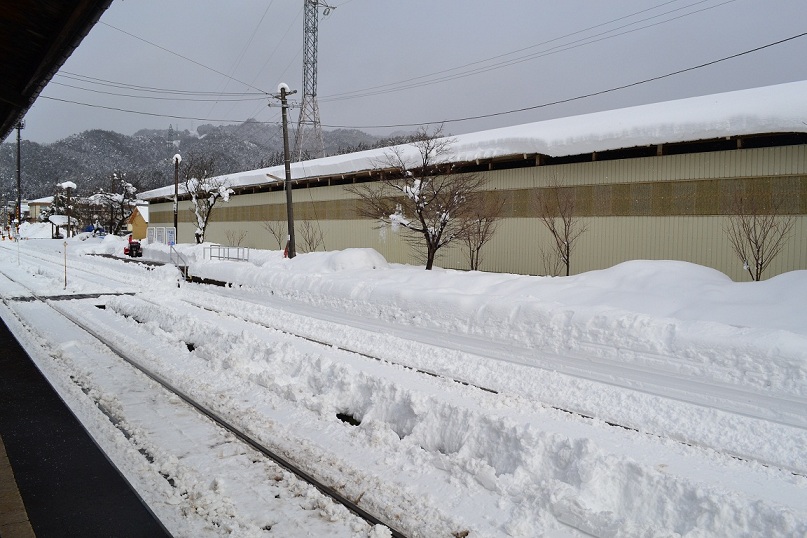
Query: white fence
x,y
220,252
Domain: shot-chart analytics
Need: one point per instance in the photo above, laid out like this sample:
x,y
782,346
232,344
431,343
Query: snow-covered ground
x,y
648,399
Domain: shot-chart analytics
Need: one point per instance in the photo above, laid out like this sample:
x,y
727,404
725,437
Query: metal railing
x,y
220,252
179,261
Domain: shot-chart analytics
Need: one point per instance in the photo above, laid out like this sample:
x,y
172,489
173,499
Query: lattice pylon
x,y
309,129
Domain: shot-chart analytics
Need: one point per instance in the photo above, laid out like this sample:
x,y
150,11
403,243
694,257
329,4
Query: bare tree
x,y
204,190
485,213
420,194
235,237
550,261
278,230
311,237
555,206
114,205
757,233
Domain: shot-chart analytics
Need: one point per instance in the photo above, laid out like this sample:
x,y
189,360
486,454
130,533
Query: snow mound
x,y
352,259
35,230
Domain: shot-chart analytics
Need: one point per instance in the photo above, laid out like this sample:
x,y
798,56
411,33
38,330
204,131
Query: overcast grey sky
x,y
385,65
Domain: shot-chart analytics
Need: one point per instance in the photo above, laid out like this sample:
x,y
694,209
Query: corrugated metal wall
x,y
667,207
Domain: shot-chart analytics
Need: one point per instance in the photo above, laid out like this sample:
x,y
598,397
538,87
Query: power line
x,y
243,52
153,114
280,42
391,87
429,79
468,118
183,57
428,75
579,97
215,97
362,93
123,85
148,89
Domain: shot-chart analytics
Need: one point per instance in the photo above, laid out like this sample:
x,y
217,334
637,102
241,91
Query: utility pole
x,y
20,126
283,89
309,109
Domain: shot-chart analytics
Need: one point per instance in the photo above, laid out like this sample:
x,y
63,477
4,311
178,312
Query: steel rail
x,y
221,421
737,393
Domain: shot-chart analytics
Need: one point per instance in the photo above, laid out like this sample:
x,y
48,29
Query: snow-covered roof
x,y
61,220
143,210
42,201
772,109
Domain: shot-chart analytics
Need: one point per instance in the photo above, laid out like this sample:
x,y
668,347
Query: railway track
x,y
732,399
325,333
285,463
231,428
752,404
787,412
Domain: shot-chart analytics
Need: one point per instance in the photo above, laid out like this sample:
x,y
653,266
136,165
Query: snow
x,y
144,212
653,398
771,109
67,185
58,220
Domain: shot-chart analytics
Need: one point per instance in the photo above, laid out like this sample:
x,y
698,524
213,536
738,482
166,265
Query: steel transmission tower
x,y
309,129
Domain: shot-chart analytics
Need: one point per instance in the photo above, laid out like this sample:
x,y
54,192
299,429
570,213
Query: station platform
x,y
54,480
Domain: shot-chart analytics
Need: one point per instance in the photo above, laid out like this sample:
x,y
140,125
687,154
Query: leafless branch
x,y
311,236
420,195
235,238
484,213
757,234
555,207
278,231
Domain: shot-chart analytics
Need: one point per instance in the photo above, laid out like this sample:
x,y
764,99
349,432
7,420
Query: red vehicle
x,y
133,249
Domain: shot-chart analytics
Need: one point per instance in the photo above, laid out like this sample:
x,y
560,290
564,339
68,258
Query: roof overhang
x,y
36,38
742,119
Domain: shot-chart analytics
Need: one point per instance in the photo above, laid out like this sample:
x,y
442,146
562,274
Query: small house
x,y
59,222
138,222
38,206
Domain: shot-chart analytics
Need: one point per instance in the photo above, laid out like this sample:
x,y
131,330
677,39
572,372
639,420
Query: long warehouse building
x,y
656,181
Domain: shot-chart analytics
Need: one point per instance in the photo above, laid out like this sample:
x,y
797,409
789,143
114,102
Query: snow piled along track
x,y
443,458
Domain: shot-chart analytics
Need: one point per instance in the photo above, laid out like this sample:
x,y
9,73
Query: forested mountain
x,y
90,158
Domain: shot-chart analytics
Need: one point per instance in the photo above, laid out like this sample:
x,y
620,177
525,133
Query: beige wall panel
x,y
516,247
701,240
619,188
790,160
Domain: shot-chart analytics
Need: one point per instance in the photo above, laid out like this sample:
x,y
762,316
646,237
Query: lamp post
x,y
177,160
67,185
5,214
20,126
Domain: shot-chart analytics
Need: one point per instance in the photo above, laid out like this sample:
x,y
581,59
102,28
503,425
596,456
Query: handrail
x,y
221,252
176,257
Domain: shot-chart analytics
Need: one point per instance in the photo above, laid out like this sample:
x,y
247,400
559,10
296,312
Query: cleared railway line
x,y
54,303
367,341
787,411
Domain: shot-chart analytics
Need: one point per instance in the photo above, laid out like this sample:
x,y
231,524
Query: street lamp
x,y
177,160
20,126
67,185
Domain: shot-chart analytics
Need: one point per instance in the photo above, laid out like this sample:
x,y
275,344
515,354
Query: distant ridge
x,y
90,158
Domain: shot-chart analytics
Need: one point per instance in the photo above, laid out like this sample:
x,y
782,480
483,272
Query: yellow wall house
x,y
36,207
138,222
656,181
